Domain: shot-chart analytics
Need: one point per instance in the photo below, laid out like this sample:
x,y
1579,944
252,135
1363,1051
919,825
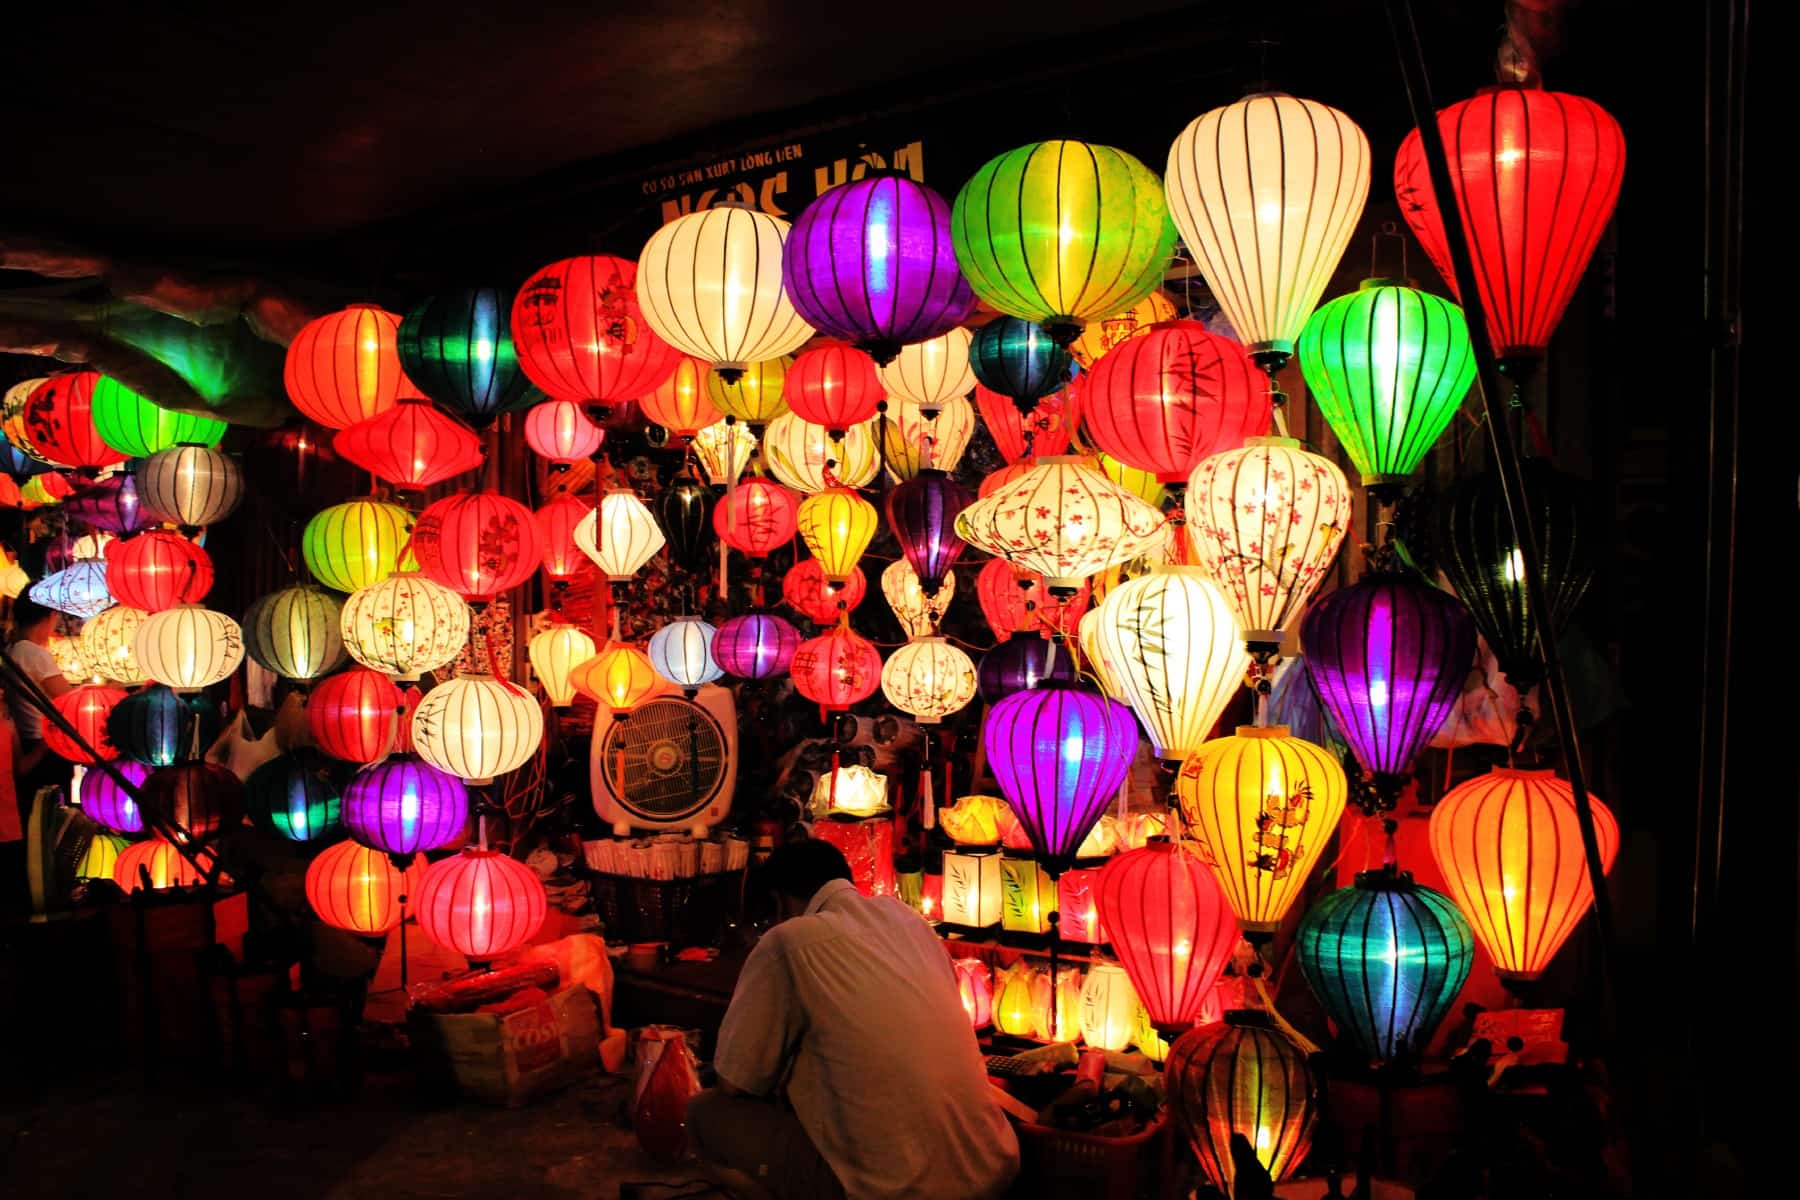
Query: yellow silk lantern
x,y
621,535
933,372
854,791
681,405
404,625
753,397
476,727
555,653
1142,484
1151,1044
928,678
1064,520
620,677
1097,337
725,449
1093,654
1108,1007
917,613
1262,804
188,647
837,525
806,458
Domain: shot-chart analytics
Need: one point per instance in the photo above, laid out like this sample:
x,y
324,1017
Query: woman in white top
x,y
30,650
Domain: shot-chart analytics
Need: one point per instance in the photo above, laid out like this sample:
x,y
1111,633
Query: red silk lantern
x,y
1044,430
477,544
353,887
837,669
354,715
681,404
86,708
480,903
344,367
562,559
805,590
558,430
1171,927
756,516
833,385
157,570
1536,176
403,731
59,418
411,445
1014,601
581,337
202,798
1166,399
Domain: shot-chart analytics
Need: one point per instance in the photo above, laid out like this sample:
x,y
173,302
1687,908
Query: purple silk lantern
x,y
871,262
922,512
1389,655
111,505
1059,755
403,805
757,645
1022,663
109,804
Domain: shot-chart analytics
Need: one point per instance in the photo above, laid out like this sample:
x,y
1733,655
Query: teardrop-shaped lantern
x,y
1059,756
1171,927
457,348
836,525
808,459
684,512
1242,1077
724,449
621,535
917,613
1018,360
1166,399
916,438
922,513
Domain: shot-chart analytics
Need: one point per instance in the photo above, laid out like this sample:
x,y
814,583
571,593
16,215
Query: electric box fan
x,y
671,765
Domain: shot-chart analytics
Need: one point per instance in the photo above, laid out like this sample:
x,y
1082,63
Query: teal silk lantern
x,y
298,795
1386,957
457,348
1388,366
1017,359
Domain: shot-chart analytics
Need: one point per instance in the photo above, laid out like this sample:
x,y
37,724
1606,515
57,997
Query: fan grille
x,y
670,770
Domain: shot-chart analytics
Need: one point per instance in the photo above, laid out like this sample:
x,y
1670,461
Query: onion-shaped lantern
x,y
295,632
350,546
157,861
808,459
1101,335
1166,399
404,625
457,348
756,645
189,486
561,557
724,449
138,428
1171,927
353,715
188,647
477,544
805,589
110,805
159,726
477,727
836,669
581,337
681,652
1022,663
928,678
1018,360
404,805
1014,601
917,613
1064,520
354,888
555,653
199,798
411,445
111,505
837,526
560,432
931,373
157,570
684,511
480,903
1242,1077
753,396
79,589
620,676
922,513
298,796
59,416
756,516
86,708
1020,436
1059,756
621,535
344,367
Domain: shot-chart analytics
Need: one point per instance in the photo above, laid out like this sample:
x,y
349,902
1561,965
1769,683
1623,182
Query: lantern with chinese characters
x,y
681,405
928,678
480,903
621,535
1065,520
1266,523
756,516
1059,756
101,858
852,791
559,432
724,449
457,348
1388,366
1242,1076
868,846
111,806
922,513
1061,233
199,799
189,486
477,544
1027,896
836,669
477,727
620,677
1022,663
157,570
803,586
1262,806
833,385
157,861
915,438
1266,193
755,395
86,708
353,715
1386,957
298,796
756,645
681,652
555,653
136,427
404,625
1077,900
1170,397
1509,845
710,284
350,546
808,459
188,647
1018,436
354,888
1102,334
79,589
1108,1007
1014,601
1170,925
1536,175
836,525
931,373
295,632
1172,646
412,446
344,367
158,726
972,889
917,613
580,336
404,805
561,557
975,984
59,416
1018,360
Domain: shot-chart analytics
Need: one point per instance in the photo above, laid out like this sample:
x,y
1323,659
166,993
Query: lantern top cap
x,y
1264,731
929,637
1522,772
1249,1018
1288,443
1375,282
1198,572
1385,879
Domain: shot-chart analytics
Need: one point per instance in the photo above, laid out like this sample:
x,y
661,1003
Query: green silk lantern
x,y
1062,233
1389,366
133,425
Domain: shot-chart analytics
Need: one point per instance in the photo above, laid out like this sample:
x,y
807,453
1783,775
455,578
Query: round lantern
x,y
1065,520
353,715
1018,435
1266,193
1170,925
295,632
1173,648
621,535
158,860
620,676
298,796
86,708
1018,360
1266,522
1536,175
555,653
560,554
681,405
1059,756
923,513
480,903
344,367
580,336
1509,845
1109,1007
137,428
1173,395
1262,805
835,386
1062,232
724,449
79,589
928,678
457,348
836,669
757,645
101,858
1014,601
931,373
1386,957
411,445
807,458
404,805
681,652
1474,544
12,418
477,544
754,396
477,727
59,415
559,431
710,284
189,486
915,439
111,504
1242,1076
159,726
756,516
404,625
110,805
804,588
188,647
683,510
157,570
199,798
1389,656
1020,664
350,546
360,890
1099,336
917,613
1388,367
836,525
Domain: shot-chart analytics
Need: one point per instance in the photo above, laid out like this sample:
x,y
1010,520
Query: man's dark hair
x,y
800,869
26,613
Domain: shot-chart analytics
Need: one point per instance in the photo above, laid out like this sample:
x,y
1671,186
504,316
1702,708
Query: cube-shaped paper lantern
x,y
972,889
1075,899
869,847
1028,896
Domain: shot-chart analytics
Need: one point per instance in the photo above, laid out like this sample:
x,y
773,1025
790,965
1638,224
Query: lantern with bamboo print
x,y
1027,895
1076,900
808,459
555,652
1065,520
837,526
929,679
1244,1076
188,647
1109,1007
1021,436
477,727
972,889
756,516
621,535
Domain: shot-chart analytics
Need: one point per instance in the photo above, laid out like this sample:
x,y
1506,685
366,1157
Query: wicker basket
x,y
1055,1164
681,912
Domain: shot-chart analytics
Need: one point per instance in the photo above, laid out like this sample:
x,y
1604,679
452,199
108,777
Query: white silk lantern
x,y
476,727
621,535
188,647
1065,520
404,625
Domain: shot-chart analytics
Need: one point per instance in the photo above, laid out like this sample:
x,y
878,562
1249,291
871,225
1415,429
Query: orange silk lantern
x,y
681,404
354,715
804,588
161,862
353,887
558,551
411,445
345,366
